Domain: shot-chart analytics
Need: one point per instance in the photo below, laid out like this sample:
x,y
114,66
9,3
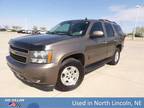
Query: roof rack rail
x,y
105,20
114,22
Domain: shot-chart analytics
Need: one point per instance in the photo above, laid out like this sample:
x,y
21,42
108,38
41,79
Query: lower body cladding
x,y
41,76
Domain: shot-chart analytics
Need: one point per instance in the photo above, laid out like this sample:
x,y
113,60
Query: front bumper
x,y
37,75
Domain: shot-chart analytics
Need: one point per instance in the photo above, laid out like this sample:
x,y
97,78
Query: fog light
x,y
38,81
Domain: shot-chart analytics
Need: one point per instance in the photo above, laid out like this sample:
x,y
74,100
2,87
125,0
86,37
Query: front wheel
x,y
116,57
71,75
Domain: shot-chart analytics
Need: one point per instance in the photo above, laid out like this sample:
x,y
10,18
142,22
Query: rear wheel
x,y
116,57
70,76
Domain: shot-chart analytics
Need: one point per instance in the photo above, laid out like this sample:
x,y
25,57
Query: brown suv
x,y
61,58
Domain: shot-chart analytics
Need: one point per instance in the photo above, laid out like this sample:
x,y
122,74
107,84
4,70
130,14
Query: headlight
x,y
41,56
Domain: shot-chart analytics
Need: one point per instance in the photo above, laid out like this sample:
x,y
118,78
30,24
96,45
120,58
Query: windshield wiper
x,y
59,33
50,32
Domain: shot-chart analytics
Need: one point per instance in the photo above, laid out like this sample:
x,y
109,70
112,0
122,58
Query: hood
x,y
38,41
41,39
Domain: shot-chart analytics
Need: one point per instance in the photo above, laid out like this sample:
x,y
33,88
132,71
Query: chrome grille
x,y
18,58
18,54
18,49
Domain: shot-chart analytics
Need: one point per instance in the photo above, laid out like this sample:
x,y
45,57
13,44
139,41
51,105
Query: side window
x,y
109,30
118,30
96,27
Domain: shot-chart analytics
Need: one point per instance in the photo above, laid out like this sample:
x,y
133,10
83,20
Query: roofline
x,y
104,20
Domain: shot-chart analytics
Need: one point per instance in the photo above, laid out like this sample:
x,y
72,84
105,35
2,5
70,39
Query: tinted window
x,y
109,30
118,30
97,27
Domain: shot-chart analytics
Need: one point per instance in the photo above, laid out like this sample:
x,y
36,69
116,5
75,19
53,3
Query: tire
x,y
115,57
70,76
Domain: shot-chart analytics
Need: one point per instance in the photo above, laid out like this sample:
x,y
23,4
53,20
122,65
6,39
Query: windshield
x,y
71,28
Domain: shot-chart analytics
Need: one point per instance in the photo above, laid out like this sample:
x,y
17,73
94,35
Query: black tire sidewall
x,y
113,62
117,50
70,62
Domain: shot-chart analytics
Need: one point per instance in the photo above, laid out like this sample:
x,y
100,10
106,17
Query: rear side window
x,y
109,30
118,30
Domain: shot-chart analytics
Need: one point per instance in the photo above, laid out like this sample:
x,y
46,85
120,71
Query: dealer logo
x,y
14,104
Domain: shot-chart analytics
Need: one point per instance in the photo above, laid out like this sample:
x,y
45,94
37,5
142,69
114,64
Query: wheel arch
x,y
78,56
119,46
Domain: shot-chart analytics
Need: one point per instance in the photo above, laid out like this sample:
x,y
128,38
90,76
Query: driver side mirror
x,y
97,34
